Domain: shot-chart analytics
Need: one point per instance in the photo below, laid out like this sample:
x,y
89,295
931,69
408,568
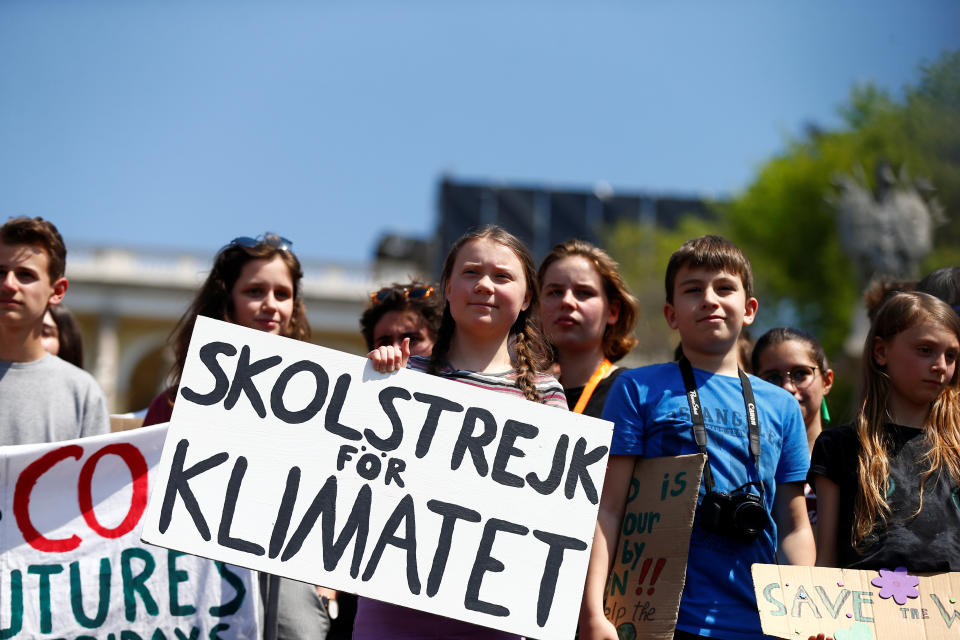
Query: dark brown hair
x,y
215,300
617,338
943,283
710,252
881,290
530,350
430,308
25,230
773,337
68,334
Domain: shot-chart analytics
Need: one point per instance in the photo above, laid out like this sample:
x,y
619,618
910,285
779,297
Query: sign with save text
x,y
304,462
890,604
650,564
71,562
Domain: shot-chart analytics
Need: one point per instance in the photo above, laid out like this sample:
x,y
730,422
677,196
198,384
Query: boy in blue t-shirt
x,y
709,289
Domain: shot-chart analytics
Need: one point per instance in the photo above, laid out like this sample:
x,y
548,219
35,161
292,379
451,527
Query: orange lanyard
x,y
592,383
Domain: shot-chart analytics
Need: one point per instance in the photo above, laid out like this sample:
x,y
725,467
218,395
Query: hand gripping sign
x,y
304,462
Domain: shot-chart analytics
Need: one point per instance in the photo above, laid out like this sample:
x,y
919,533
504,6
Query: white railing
x,y
184,270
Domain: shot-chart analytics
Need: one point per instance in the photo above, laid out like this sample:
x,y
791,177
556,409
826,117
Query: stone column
x,y
108,356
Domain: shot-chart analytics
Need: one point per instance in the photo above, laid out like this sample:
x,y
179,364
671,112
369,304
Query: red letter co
x,y
23,494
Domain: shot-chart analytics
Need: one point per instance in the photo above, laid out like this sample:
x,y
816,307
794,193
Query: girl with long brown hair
x,y
887,485
254,282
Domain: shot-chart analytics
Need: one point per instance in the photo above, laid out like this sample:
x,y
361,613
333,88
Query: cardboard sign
x,y
124,423
71,561
646,580
304,462
797,602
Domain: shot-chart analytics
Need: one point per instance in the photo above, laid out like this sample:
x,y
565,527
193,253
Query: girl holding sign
x,y
588,316
489,337
255,282
888,485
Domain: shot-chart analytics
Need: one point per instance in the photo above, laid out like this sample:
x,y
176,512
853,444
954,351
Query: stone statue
x,y
889,232
886,233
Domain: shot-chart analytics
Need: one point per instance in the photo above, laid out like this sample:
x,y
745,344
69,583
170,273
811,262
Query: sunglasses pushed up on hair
x,y
418,292
278,242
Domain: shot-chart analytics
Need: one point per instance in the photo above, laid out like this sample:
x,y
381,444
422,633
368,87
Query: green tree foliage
x,y
643,251
786,223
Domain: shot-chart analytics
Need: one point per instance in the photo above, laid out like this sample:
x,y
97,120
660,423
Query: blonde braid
x,y
526,369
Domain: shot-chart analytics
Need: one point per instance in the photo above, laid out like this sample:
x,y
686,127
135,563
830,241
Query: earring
x,y
824,411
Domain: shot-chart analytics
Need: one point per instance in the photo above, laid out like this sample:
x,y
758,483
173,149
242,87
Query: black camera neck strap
x,y
700,431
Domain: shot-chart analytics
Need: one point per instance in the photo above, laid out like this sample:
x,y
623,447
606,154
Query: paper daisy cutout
x,y
897,584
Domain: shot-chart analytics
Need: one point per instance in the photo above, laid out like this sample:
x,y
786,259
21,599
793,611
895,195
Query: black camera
x,y
739,514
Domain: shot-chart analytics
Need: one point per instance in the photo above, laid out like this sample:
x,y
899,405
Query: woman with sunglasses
x,y
254,282
793,359
403,311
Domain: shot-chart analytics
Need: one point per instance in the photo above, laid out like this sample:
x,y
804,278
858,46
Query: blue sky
x,y
183,124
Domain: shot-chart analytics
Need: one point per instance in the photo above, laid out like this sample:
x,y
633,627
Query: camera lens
x,y
750,518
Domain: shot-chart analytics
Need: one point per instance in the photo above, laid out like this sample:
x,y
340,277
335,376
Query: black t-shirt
x,y
928,542
594,406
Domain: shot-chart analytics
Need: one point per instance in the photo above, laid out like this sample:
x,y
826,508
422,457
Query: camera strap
x,y
700,431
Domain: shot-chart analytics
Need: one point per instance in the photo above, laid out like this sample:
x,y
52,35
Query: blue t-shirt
x,y
649,409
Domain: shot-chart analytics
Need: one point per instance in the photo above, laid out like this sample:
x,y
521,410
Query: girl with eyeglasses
x,y
793,359
254,282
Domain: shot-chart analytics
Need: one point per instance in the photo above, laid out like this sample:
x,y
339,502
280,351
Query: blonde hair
x,y
617,337
530,350
941,429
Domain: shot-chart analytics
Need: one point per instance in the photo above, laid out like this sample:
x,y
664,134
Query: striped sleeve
x,y
551,392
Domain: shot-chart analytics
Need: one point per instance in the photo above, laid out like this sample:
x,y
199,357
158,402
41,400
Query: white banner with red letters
x,y
71,562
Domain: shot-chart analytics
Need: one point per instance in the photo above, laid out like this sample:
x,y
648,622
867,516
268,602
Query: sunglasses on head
x,y
418,292
278,242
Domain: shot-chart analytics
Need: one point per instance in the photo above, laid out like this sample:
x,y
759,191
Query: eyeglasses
x,y
271,239
410,293
800,376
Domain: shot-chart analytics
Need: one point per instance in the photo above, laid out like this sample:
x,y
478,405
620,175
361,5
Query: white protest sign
x,y
71,561
304,462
